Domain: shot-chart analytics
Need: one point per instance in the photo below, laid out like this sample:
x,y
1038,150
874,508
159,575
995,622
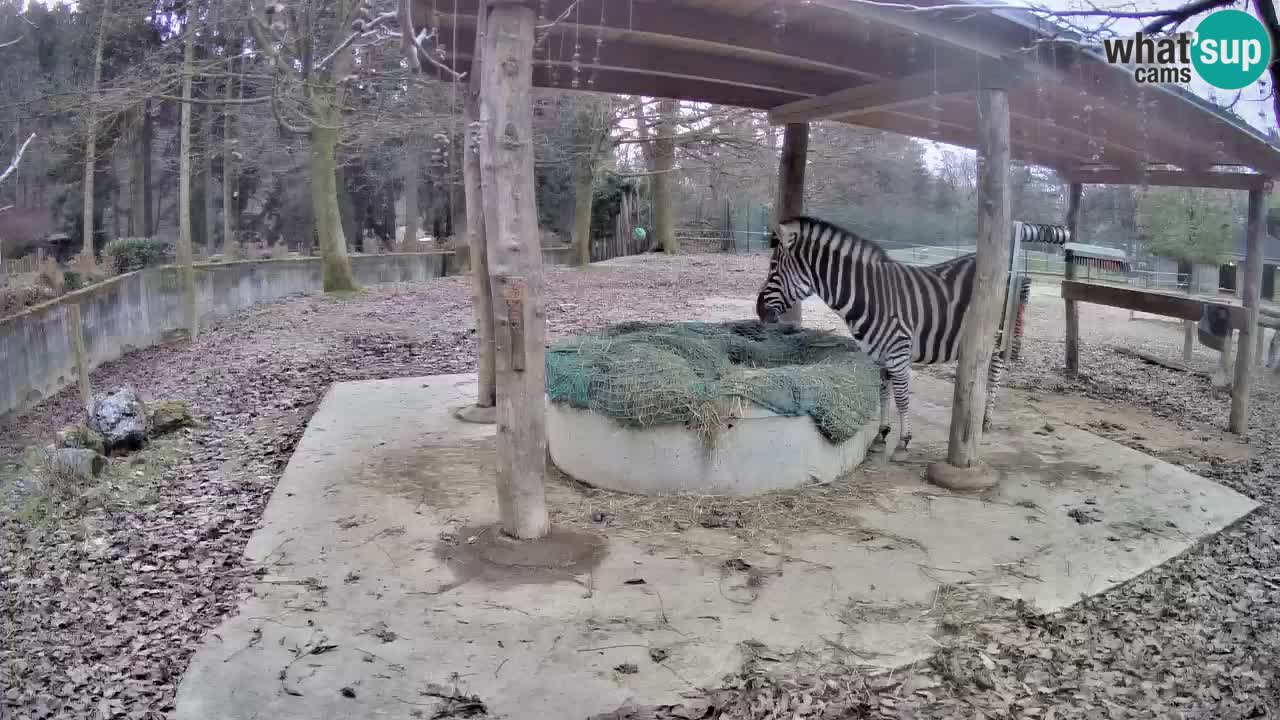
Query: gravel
x,y
105,607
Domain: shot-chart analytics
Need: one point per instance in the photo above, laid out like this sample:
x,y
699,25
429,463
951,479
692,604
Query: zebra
x,y
898,314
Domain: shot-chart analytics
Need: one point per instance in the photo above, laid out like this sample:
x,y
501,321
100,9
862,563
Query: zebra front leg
x,y
878,444
901,379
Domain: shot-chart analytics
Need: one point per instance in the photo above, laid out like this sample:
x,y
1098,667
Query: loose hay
x,y
701,375
828,508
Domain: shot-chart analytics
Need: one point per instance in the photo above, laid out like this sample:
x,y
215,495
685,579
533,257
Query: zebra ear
x,y
784,235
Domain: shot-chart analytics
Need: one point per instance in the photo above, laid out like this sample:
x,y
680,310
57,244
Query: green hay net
x,y
698,374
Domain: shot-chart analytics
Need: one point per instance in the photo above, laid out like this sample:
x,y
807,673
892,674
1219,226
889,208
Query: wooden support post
x,y
1245,352
515,265
75,335
1069,273
1189,326
977,336
795,155
486,397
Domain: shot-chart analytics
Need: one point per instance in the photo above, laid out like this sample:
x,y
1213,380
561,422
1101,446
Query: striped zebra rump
x,y
1041,234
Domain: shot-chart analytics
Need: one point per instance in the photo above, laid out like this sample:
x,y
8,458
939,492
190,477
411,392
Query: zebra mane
x,y
876,252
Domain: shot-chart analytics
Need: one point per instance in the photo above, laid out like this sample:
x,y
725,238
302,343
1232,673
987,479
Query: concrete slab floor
x,y
375,600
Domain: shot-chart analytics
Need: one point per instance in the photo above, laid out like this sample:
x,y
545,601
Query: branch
x,y
1179,16
279,116
17,159
362,29
414,44
1267,9
223,101
14,41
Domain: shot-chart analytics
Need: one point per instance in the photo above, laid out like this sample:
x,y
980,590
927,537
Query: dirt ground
x,y
105,604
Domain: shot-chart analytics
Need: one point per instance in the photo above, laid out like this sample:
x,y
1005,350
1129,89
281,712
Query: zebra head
x,y
787,282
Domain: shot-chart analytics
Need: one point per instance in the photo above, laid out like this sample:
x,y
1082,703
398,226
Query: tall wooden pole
x,y
515,265
795,155
185,255
483,292
977,338
1245,351
1076,191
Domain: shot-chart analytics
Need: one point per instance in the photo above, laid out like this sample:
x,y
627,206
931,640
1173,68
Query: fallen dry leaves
x,y
102,612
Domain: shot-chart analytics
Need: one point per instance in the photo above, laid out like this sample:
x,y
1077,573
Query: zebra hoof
x,y
899,454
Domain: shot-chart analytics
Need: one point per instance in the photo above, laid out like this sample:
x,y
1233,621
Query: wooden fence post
x,y
795,153
515,265
1189,326
1252,290
75,334
1076,191
977,338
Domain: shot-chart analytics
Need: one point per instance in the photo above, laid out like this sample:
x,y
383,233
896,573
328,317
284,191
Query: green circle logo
x,y
1232,49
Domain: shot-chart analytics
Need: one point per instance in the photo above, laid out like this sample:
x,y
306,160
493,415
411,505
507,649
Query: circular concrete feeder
x,y
755,452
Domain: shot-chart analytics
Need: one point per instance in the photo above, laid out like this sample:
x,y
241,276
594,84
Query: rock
x,y
80,436
121,418
166,416
75,465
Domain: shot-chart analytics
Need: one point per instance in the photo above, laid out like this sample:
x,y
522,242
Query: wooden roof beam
x,y
664,24
1174,114
1174,117
628,55
1170,178
962,136
897,92
925,24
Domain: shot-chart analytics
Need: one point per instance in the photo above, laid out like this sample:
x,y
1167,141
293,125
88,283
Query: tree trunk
x,y
790,202
184,185
476,238
982,319
511,224
91,134
209,231
229,181
664,152
347,209
144,155
412,215
324,204
137,175
583,187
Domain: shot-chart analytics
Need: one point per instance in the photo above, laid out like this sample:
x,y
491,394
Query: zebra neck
x,y
844,258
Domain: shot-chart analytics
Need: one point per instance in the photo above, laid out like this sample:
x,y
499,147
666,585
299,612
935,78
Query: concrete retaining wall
x,y
144,308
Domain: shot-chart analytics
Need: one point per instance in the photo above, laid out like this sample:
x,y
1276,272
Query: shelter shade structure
x,y
1059,102
912,72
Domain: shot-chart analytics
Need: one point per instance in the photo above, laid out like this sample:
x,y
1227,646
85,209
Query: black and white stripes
x,y
899,314
1040,234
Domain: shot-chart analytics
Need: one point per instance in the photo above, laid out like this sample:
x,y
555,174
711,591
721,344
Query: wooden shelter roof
x,y
906,71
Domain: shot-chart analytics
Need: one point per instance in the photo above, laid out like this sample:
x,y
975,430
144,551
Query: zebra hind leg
x,y
994,375
878,444
902,397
